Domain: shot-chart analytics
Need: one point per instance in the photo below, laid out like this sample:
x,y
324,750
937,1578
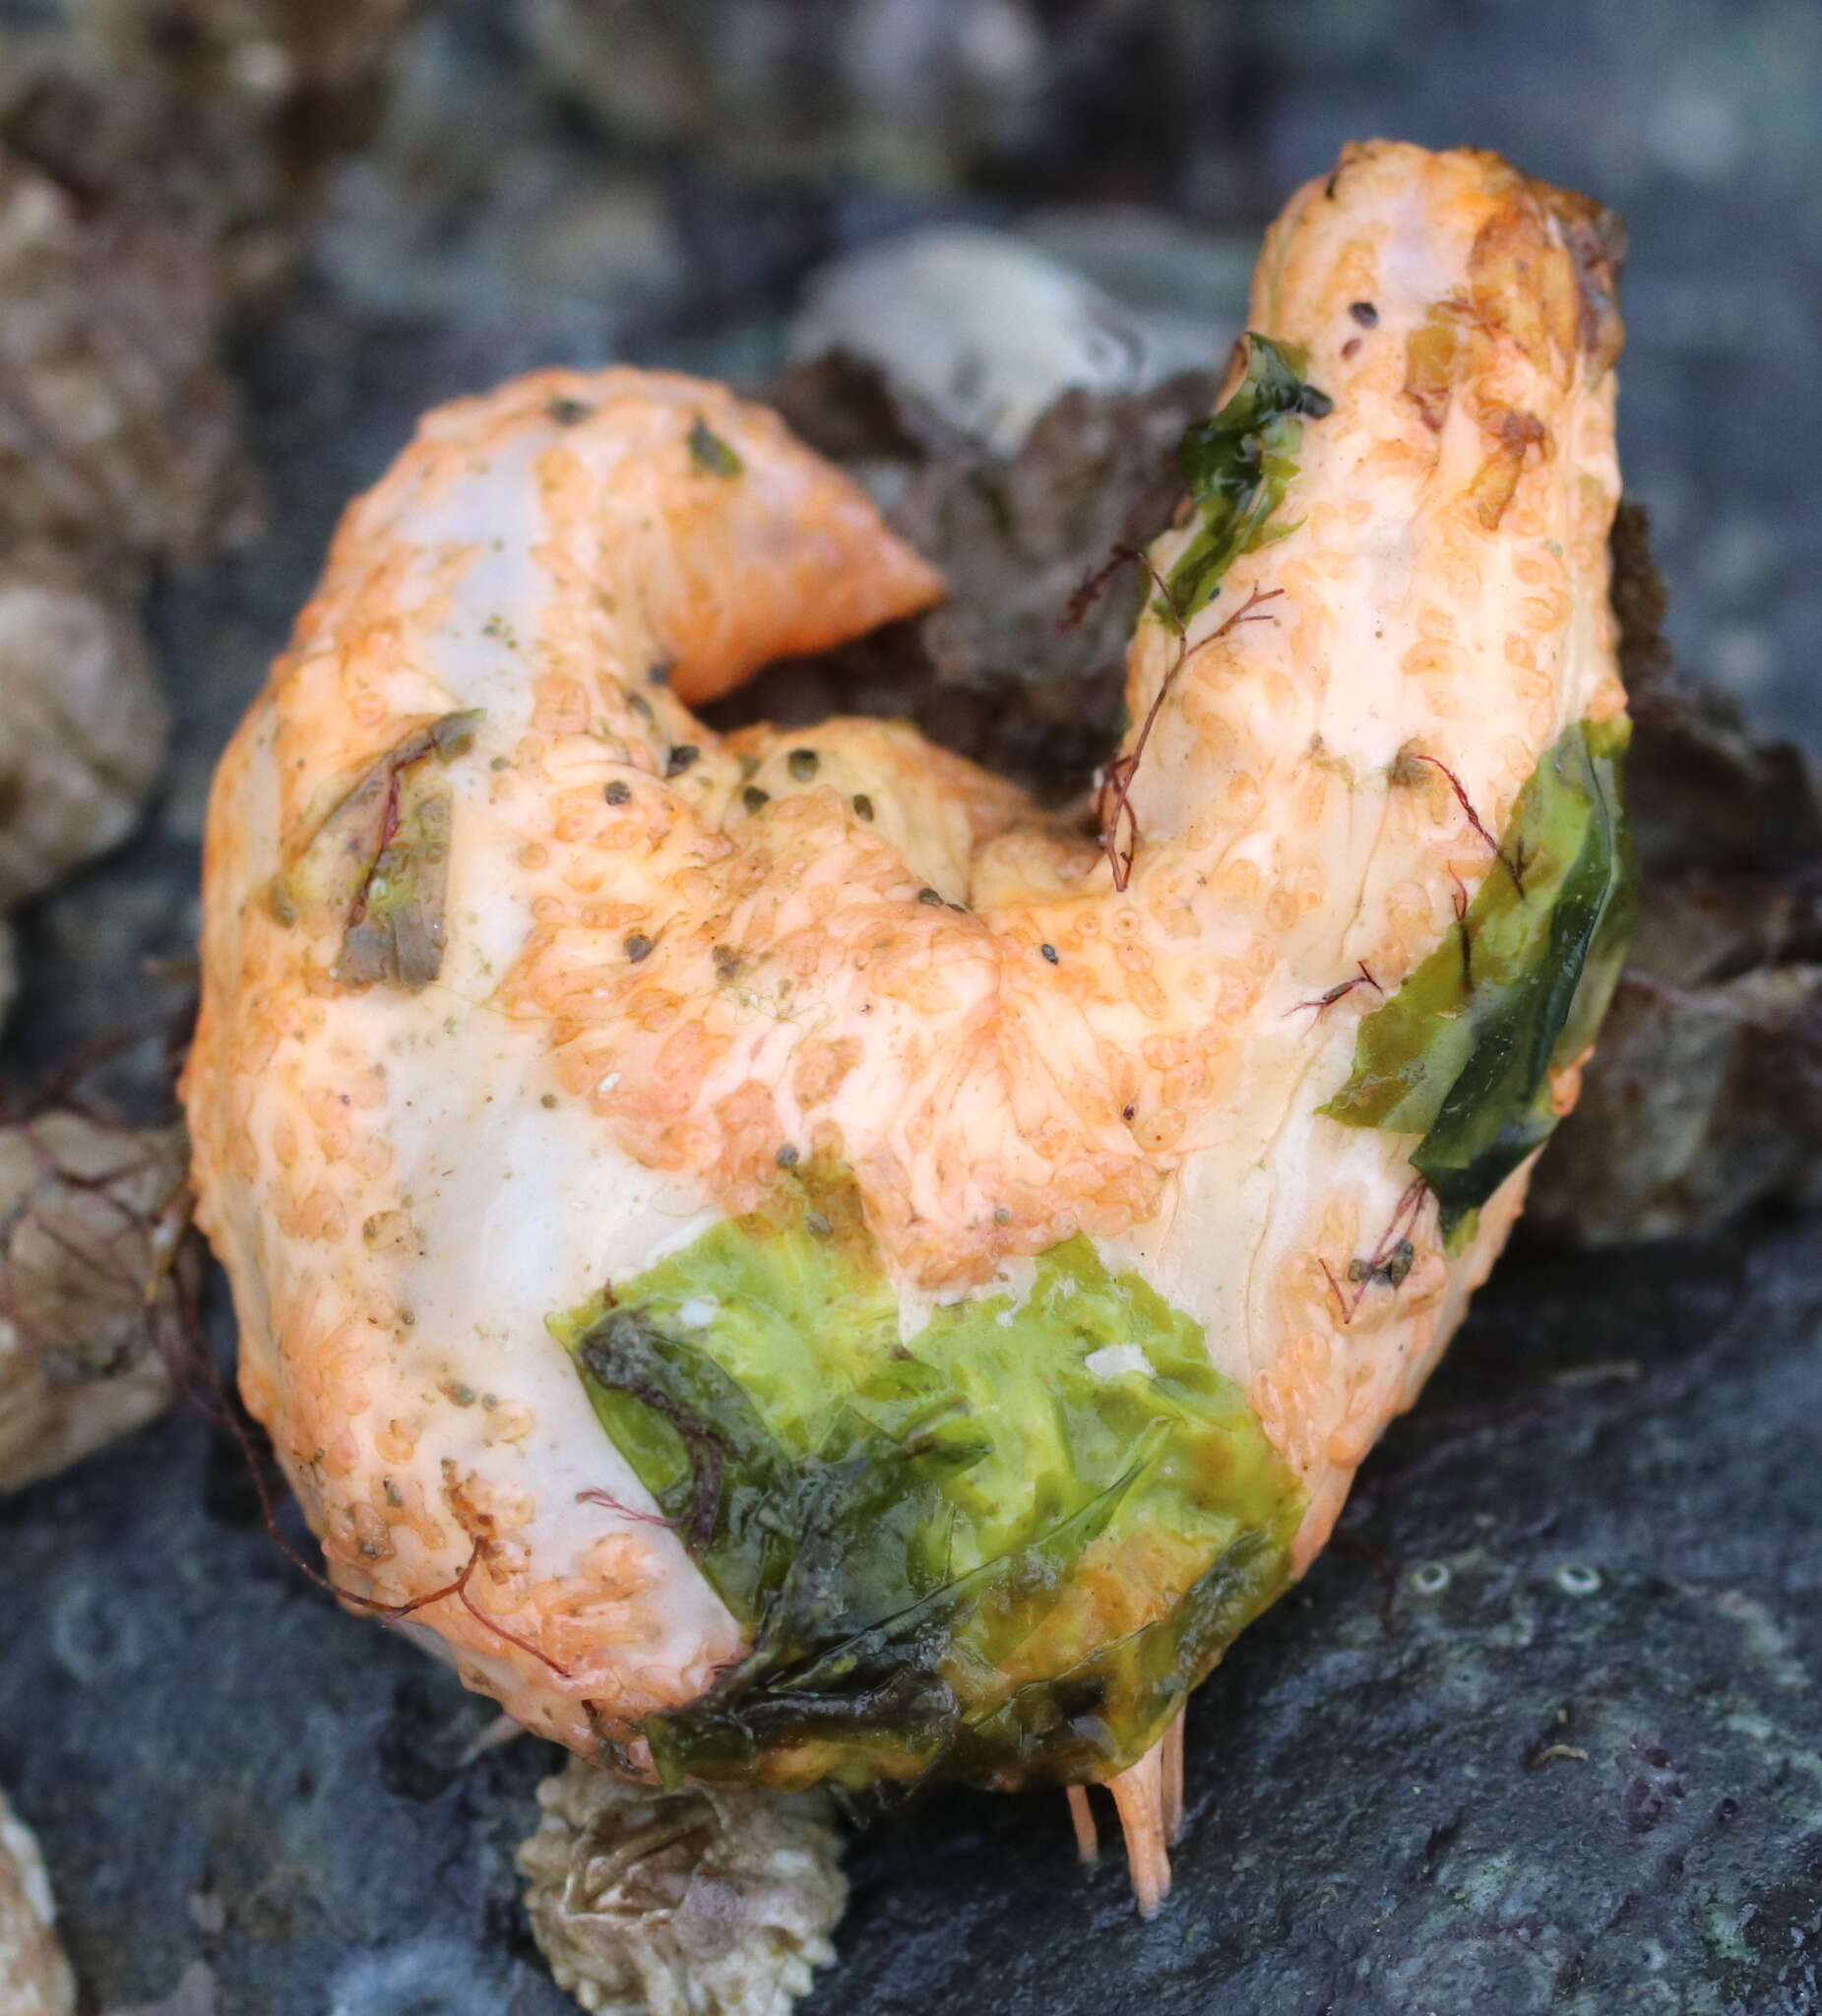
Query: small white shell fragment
x,y
982,324
1113,1360
35,1975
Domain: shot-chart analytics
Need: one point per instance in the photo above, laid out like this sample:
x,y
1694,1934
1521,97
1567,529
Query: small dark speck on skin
x,y
1051,954
681,759
864,805
816,1224
786,1157
727,961
617,793
497,763
568,412
1364,313
753,798
659,674
1127,1113
1002,1215
802,764
638,947
549,1099
462,1396
1351,348
640,705
930,896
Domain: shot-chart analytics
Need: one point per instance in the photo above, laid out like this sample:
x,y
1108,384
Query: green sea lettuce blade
x,y
1238,464
1462,1054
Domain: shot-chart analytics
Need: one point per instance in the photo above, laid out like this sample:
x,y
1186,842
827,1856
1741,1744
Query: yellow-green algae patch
x,y
1003,1552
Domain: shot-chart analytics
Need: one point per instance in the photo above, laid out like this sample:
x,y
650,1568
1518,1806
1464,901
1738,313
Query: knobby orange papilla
x,y
531,999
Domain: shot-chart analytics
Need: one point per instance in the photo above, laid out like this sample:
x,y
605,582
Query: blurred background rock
x,y
590,177
593,175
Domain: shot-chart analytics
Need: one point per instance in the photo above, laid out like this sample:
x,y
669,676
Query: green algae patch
x,y
1238,464
1462,1054
1004,1552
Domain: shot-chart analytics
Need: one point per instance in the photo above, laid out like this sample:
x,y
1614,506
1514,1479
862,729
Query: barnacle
x,y
799,1265
91,1268
81,722
702,1902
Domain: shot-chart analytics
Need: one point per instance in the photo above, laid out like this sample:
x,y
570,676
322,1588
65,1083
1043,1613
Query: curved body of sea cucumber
x,y
644,960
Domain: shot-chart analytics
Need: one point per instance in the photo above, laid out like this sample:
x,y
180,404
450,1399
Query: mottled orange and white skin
x,y
672,954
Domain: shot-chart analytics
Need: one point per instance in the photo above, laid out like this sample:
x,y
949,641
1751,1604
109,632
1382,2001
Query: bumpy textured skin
x,y
403,1184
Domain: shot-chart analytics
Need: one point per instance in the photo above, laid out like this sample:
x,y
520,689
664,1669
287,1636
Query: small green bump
x,y
710,453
